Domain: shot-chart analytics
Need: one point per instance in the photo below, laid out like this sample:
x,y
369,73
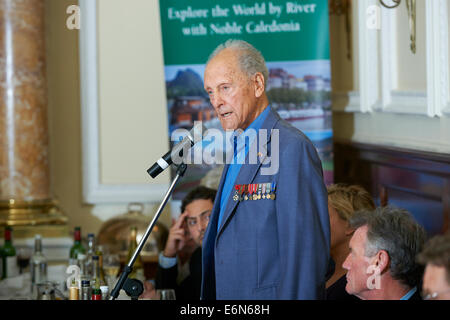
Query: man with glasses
x,y
436,258
180,263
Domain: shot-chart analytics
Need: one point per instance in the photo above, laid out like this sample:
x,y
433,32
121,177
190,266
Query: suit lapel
x,y
216,207
248,172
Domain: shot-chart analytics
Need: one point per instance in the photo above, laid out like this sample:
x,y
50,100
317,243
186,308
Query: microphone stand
x,y
134,287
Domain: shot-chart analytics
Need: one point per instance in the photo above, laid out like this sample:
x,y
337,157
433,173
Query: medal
x,y
245,192
263,190
259,191
268,190
272,195
255,190
251,193
236,194
241,192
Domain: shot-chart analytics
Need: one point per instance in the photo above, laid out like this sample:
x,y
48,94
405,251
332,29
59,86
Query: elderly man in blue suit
x,y
269,233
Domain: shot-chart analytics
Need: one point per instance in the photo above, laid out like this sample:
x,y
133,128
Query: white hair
x,y
250,59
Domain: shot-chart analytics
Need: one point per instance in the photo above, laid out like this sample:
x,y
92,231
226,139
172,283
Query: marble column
x,y
24,168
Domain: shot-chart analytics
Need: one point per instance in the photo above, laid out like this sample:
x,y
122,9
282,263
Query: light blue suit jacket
x,y
272,249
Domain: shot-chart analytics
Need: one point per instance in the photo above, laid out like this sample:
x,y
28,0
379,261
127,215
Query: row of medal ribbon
x,y
255,191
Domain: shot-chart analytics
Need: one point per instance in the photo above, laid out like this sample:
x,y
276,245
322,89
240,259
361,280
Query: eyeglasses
x,y
433,295
204,216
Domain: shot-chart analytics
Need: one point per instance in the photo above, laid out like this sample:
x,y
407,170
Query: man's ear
x,y
259,84
382,261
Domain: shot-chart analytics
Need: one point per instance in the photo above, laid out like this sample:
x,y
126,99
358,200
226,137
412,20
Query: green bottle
x,y
1,263
77,246
10,267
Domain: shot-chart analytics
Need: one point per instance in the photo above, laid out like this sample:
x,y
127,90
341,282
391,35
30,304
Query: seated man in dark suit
x,y
184,243
382,264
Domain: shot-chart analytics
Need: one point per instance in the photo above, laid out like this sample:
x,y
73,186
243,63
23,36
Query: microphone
x,y
198,130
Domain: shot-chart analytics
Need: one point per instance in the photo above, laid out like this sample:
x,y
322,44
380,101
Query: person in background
x,y
382,264
436,259
343,201
185,236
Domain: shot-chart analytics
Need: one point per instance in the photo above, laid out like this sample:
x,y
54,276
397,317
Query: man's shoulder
x,y
291,136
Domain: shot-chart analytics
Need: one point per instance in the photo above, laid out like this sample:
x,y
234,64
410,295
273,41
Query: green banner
x,y
282,30
293,37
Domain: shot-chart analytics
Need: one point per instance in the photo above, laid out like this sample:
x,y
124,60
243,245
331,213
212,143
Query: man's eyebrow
x,y
204,212
200,214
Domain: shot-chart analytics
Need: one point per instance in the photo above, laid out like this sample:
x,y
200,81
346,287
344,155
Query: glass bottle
x,y
96,293
95,282
77,246
74,288
38,264
96,279
74,293
99,252
85,290
90,253
10,267
105,292
81,262
138,267
1,263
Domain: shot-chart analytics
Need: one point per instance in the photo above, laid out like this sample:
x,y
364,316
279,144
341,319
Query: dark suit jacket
x,y
189,288
272,249
337,291
416,296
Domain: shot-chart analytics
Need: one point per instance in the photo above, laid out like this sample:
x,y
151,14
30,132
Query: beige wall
x,y
64,116
409,77
341,65
417,132
133,125
133,112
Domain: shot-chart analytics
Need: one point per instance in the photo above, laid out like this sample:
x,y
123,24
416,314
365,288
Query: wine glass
x,y
165,294
23,258
111,267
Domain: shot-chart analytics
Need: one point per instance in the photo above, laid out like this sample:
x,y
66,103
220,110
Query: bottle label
x,y
74,293
96,297
39,272
12,269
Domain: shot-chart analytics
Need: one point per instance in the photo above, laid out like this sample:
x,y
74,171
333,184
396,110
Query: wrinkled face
x,y
197,218
232,94
357,264
338,228
435,282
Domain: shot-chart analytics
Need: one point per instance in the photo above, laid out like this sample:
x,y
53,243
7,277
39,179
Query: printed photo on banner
x,y
299,83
